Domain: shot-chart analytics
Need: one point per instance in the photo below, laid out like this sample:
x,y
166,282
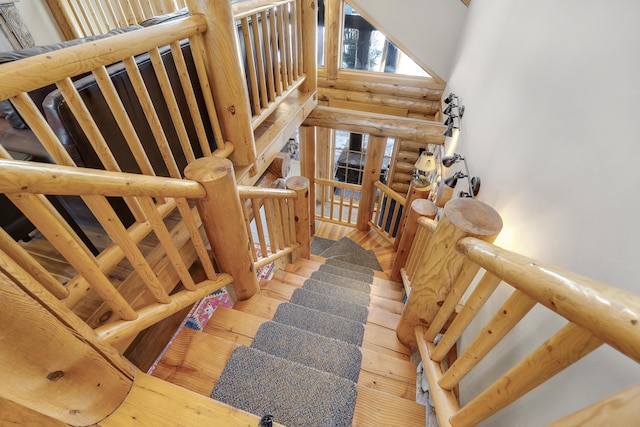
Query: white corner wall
x,y
552,126
39,21
429,30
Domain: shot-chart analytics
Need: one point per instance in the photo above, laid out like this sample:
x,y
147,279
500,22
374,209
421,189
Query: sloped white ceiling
x,y
426,30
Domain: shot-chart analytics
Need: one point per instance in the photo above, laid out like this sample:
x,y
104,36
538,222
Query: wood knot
x,y
55,376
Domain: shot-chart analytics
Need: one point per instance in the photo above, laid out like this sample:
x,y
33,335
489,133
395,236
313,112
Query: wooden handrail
x,y
27,74
612,314
251,7
38,178
248,192
597,313
377,124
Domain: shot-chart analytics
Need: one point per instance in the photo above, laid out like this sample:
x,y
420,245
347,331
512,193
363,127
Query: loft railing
x,y
339,202
277,219
162,108
271,43
445,259
387,212
82,18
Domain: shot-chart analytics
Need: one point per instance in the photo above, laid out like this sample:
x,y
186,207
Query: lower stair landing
x,y
385,381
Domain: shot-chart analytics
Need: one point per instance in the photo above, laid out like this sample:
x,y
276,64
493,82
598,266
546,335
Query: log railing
x,y
444,262
271,216
144,297
387,212
271,46
339,202
82,18
59,67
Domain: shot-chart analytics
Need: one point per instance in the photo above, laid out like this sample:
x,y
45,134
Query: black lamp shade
x,y
449,131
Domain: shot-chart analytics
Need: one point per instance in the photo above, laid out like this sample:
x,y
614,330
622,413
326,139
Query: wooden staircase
x,y
386,385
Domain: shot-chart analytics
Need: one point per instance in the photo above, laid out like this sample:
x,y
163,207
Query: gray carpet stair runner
x,y
346,250
302,367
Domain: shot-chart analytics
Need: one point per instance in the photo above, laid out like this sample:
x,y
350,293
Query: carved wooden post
x,y
370,175
432,280
418,208
51,361
221,213
300,185
415,192
226,75
308,167
310,44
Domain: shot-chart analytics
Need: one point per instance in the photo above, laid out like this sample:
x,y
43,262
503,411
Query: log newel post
x,y
416,191
308,166
227,77
221,213
418,208
370,175
310,44
300,185
441,265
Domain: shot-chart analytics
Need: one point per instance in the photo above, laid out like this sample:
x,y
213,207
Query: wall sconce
x,y
452,104
474,182
450,127
423,167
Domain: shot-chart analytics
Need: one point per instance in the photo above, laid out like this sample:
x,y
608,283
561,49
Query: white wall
x,y
428,30
552,126
39,21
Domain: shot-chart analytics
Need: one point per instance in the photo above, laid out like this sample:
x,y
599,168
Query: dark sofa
x,y
73,138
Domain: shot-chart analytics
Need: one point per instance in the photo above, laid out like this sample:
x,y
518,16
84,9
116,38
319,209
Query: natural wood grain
x,y
621,407
222,205
564,348
442,264
377,124
370,176
376,408
226,74
609,313
172,403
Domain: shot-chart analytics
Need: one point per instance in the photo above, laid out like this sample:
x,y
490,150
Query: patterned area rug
x,y
203,310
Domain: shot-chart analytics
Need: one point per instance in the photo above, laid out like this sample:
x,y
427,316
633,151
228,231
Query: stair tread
x,y
376,408
261,383
195,360
304,266
345,281
337,291
313,350
320,322
193,364
340,271
265,306
329,304
383,288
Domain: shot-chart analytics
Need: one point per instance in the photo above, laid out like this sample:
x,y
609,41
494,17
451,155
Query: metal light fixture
x,y
449,131
474,182
450,98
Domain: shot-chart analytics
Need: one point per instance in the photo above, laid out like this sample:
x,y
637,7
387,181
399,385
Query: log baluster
x,y
300,185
